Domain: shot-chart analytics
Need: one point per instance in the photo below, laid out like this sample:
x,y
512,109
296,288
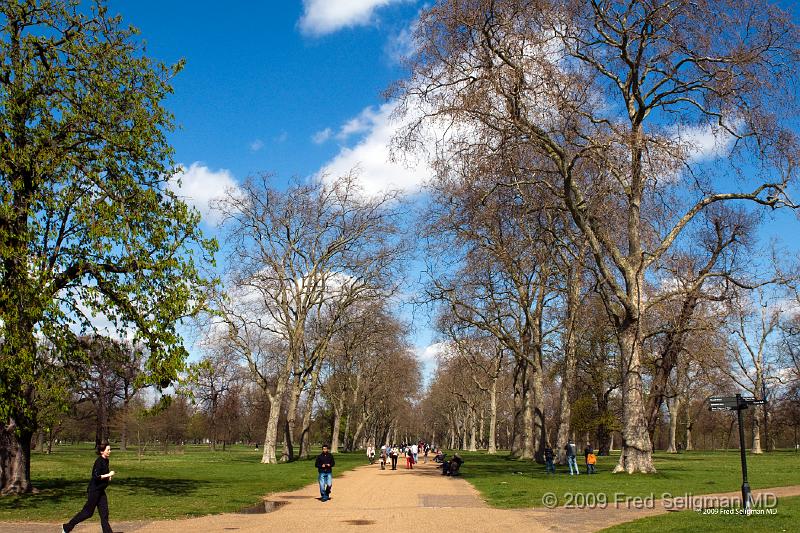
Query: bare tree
x,y
607,97
753,355
299,259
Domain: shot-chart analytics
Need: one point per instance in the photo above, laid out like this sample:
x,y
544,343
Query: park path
x,y
369,499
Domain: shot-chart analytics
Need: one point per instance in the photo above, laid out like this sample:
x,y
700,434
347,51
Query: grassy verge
x,y
786,518
511,483
188,483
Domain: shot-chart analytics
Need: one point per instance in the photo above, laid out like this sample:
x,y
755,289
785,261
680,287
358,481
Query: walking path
x,y
369,499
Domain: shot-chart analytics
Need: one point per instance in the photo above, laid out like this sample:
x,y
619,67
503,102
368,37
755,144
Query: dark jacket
x,y
548,453
324,463
100,468
570,449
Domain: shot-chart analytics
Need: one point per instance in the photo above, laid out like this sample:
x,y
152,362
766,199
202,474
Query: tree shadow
x,y
59,490
160,486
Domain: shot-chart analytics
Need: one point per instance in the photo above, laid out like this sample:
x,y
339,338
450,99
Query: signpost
x,y
738,403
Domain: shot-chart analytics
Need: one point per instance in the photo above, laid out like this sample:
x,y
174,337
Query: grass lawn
x,y
786,519
195,482
511,483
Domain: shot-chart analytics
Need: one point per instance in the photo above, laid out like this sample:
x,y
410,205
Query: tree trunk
x,y
305,445
673,346
518,421
493,418
688,445
527,422
337,421
473,431
291,420
357,432
123,437
756,433
574,286
673,406
539,430
637,450
268,455
481,425
15,460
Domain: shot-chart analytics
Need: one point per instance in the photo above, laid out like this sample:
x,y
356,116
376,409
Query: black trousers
x,y
95,499
394,462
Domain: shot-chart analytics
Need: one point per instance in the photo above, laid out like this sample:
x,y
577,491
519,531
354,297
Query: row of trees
x,y
576,198
470,403
312,269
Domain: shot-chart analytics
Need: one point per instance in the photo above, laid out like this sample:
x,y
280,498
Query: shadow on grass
x,y
161,487
59,490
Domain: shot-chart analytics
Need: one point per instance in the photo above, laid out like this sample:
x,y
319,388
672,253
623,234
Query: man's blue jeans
x,y
325,480
573,463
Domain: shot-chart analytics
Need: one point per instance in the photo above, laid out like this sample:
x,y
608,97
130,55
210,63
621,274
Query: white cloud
x,y
321,17
371,155
281,137
360,124
404,44
322,136
199,186
431,353
256,145
706,142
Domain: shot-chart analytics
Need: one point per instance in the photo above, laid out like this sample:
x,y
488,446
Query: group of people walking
x,y
389,454
570,450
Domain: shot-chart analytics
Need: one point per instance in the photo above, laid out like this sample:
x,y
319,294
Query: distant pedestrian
x,y
591,460
325,463
409,459
383,457
550,466
371,454
587,451
394,455
571,458
414,451
96,492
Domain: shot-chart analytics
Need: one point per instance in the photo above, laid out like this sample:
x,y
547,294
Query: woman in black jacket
x,y
96,494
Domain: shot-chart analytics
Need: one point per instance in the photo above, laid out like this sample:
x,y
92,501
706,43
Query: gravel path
x,y
369,499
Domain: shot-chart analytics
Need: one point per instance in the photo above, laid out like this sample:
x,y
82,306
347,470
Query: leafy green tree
x,y
88,224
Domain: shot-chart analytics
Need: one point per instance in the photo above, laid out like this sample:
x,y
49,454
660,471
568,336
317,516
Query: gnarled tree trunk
x,y
637,449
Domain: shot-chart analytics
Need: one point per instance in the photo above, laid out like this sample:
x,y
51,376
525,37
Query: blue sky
x,y
259,83
292,87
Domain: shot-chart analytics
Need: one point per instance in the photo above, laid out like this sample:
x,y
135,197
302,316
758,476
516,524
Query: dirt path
x,y
369,499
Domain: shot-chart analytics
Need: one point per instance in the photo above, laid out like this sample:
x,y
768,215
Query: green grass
x,y
511,483
196,482
786,519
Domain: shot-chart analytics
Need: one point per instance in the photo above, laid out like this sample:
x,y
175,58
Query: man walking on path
x,y
324,464
571,460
